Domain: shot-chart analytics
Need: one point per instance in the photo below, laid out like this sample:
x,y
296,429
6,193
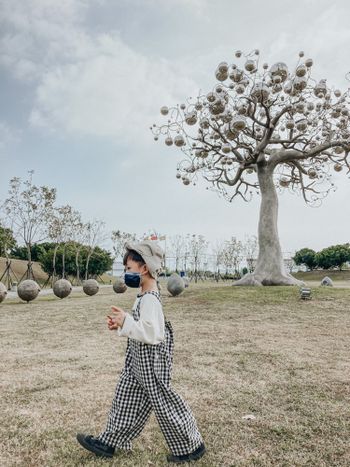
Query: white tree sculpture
x,y
260,130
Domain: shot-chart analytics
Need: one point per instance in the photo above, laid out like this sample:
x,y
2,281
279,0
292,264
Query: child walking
x,y
144,383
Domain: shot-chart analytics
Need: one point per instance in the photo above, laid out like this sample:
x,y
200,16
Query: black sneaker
x,y
95,445
193,456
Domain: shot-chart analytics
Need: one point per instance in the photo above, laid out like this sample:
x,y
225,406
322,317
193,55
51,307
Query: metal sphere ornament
x,y
62,288
236,75
164,110
238,53
223,67
260,92
221,76
90,287
175,285
3,292
338,167
28,290
338,149
169,141
226,148
284,182
238,123
191,118
309,62
119,285
301,125
320,89
301,70
250,65
299,83
279,69
179,140
312,173
240,89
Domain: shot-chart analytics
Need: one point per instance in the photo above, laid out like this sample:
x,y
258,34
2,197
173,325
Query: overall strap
x,y
156,294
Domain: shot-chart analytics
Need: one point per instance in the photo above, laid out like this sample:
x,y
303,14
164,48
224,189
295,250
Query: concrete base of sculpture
x,y
62,288
28,290
119,286
175,285
327,282
3,292
91,287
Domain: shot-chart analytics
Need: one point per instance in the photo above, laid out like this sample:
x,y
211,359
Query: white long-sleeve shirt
x,y
150,328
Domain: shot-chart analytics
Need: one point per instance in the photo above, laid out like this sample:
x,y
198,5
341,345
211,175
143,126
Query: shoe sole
x,y
191,457
81,440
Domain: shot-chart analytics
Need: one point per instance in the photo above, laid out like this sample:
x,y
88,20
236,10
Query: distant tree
x,y
250,249
60,225
334,256
100,260
20,252
233,254
218,251
29,207
7,240
94,235
178,246
119,239
307,257
197,246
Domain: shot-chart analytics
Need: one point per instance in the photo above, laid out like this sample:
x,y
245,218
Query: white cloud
x,y
111,90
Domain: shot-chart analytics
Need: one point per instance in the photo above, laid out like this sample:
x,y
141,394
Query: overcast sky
x,y
82,81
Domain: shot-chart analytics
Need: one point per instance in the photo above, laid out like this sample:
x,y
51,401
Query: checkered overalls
x,y
144,385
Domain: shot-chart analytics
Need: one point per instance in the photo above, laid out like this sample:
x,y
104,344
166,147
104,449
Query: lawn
x,y
238,351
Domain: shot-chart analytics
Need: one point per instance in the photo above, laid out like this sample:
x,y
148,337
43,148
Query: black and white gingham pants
x,y
144,385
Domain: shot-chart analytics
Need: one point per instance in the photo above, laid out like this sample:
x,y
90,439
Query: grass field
x,y
238,351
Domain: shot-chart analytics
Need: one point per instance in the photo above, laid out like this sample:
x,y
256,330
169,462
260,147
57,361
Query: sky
x,y
82,81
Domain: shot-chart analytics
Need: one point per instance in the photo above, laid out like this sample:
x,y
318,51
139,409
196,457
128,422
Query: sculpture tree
x,y
260,130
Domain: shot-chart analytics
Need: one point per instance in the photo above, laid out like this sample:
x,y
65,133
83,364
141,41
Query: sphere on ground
x,y
175,285
3,292
28,290
62,288
327,282
119,286
90,287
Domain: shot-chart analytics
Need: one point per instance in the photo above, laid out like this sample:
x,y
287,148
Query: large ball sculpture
x,y
62,288
119,286
3,292
28,290
91,287
175,285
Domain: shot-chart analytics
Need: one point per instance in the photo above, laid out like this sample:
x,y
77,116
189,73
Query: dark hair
x,y
134,256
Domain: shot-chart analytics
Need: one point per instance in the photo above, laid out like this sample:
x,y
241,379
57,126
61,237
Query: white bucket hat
x,y
151,253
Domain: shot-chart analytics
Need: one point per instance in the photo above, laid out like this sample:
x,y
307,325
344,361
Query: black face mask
x,y
132,279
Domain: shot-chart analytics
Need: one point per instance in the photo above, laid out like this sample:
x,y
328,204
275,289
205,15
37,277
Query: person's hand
x,y
116,321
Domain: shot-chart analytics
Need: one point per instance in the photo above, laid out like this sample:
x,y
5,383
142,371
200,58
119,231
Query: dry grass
x,y
238,351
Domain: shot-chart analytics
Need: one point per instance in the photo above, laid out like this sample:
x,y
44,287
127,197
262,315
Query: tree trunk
x,y
77,264
270,268
64,261
54,264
